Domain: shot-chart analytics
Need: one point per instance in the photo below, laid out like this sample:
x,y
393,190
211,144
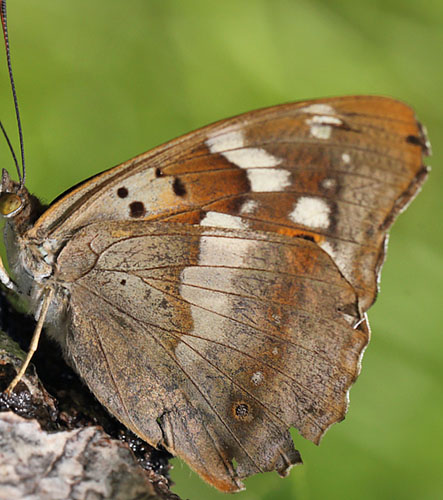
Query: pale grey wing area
x,y
212,342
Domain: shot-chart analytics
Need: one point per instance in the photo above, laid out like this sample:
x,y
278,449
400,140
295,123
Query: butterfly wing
x,y
212,342
336,171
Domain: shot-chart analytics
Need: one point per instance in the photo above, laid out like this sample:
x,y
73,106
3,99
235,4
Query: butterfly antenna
x,y
10,146
21,174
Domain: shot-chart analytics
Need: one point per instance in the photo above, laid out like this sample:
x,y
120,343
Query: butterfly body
x,y
212,293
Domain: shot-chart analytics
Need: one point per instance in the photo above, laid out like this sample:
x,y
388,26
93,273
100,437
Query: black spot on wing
x,y
137,209
122,192
178,187
415,140
306,237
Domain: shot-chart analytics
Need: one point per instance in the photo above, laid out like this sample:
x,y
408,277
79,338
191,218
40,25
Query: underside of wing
x,y
336,171
213,342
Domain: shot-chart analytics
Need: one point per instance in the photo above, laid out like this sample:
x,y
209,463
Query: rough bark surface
x,y
64,445
78,464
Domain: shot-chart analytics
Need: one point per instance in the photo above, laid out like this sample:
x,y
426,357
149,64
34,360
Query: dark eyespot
x,y
123,282
122,192
159,172
137,209
242,410
178,187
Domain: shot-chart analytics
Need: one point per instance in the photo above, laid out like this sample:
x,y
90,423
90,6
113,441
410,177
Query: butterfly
x,y
212,293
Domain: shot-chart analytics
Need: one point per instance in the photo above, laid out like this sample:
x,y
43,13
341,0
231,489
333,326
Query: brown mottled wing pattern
x,y
336,171
231,269
212,342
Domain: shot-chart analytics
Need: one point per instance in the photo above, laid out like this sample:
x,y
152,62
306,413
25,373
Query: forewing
x,y
336,171
212,342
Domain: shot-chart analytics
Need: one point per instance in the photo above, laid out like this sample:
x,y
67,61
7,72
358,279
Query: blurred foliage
x,y
102,81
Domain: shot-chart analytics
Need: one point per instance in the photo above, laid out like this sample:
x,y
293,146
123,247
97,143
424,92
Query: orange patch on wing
x,y
185,218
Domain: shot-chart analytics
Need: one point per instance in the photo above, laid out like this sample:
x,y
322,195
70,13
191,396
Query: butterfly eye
x,y
10,204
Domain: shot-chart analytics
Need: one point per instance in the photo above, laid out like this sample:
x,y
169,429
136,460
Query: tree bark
x,y
56,440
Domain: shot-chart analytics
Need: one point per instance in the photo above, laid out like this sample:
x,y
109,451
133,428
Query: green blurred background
x,y
100,81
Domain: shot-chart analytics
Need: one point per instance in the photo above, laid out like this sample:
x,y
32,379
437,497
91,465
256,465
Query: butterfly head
x,y
11,202
17,205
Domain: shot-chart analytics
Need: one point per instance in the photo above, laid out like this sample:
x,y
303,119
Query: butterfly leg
x,y
49,294
5,279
